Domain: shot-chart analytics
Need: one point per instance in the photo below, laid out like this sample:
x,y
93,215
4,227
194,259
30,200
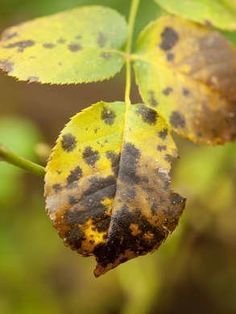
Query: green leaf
x,y
108,184
187,72
76,46
208,12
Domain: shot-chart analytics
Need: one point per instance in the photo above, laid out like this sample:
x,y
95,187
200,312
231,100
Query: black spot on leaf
x,y
177,120
108,116
169,38
21,45
115,159
68,142
167,91
74,175
74,47
160,148
170,56
57,187
49,45
101,40
186,92
129,161
148,115
90,156
152,99
163,133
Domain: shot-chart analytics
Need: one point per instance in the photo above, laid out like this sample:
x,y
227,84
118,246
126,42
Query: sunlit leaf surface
x,y
108,185
218,13
75,46
187,72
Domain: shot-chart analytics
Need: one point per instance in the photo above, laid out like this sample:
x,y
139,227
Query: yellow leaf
x,y
187,72
108,185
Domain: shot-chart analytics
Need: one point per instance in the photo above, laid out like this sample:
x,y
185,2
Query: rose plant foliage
x,y
108,184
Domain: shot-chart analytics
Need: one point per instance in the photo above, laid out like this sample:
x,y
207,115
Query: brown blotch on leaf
x,y
177,120
49,45
167,91
169,38
74,175
68,142
6,66
148,115
90,156
21,45
74,47
108,116
101,40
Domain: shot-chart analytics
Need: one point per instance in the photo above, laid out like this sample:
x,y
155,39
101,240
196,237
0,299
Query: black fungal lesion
x,y
177,119
72,200
186,92
21,45
152,98
101,40
128,164
68,142
161,148
115,160
57,187
163,133
49,45
90,156
169,38
167,91
74,47
74,175
6,66
170,158
170,56
108,116
148,115
124,240
61,40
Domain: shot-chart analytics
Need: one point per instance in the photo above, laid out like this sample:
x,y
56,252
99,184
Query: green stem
x,y
10,157
128,50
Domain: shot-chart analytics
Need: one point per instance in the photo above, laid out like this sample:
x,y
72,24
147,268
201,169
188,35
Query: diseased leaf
x,y
187,72
208,12
74,46
108,186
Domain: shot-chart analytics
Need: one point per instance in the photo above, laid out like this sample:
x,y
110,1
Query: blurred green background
x,y
193,272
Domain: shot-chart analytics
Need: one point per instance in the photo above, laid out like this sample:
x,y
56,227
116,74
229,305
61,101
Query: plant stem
x,y
10,157
128,50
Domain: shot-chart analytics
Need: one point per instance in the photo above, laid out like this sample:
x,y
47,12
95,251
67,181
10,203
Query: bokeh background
x,y
193,272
